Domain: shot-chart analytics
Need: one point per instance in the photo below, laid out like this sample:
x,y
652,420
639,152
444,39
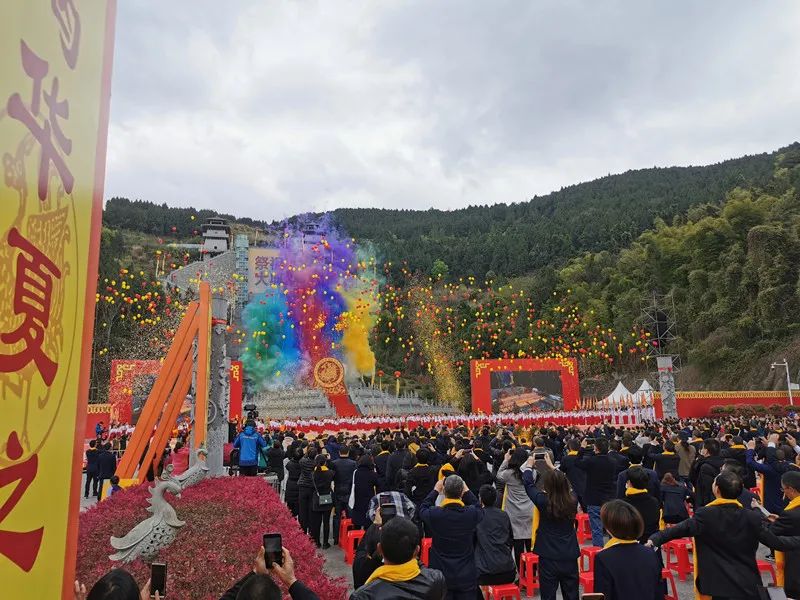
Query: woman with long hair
x,y
365,486
322,478
292,492
555,540
516,501
674,494
305,485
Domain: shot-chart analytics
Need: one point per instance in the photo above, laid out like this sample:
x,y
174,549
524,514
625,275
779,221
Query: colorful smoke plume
x,y
322,301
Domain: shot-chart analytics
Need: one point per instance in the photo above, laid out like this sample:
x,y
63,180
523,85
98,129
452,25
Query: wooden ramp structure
x,y
163,405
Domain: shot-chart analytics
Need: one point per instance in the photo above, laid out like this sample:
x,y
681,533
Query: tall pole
x,y
788,381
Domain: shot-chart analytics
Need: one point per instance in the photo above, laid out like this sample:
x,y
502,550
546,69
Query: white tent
x,y
618,396
644,395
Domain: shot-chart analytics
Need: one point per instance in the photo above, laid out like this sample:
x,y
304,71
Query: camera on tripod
x,y
252,412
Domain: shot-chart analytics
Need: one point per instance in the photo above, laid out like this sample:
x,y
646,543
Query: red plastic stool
x,y
764,565
528,576
588,552
353,538
680,562
583,529
345,525
506,591
424,552
667,575
587,581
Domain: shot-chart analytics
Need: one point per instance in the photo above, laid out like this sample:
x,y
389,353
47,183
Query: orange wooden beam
x,y
200,428
178,354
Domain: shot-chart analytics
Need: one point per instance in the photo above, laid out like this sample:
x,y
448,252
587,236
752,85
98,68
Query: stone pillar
x,y
666,385
218,396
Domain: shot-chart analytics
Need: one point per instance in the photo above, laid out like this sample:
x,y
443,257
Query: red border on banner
x,y
480,378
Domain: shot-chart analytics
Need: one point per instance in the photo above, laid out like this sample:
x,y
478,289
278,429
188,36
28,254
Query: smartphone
x,y
385,499
273,549
539,455
388,512
158,579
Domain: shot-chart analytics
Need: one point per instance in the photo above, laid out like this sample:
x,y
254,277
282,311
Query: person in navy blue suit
x,y
625,569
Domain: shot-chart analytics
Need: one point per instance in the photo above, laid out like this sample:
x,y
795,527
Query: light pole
x,y
785,365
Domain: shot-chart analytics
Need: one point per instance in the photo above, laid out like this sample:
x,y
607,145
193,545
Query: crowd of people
x,y
485,496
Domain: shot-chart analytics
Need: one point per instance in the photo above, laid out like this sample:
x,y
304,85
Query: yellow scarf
x,y
668,453
322,468
572,453
383,452
413,447
445,467
737,447
405,572
780,557
625,448
717,502
632,491
421,465
534,526
448,501
614,541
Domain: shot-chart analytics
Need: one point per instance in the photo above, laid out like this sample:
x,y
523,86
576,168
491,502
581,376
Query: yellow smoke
x,y
356,324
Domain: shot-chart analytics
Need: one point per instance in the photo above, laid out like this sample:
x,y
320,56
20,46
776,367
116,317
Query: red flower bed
x,y
226,518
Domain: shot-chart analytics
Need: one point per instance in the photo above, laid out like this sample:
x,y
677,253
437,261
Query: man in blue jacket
x,y
452,526
250,444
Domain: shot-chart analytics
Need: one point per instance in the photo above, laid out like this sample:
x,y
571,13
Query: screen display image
x,y
526,391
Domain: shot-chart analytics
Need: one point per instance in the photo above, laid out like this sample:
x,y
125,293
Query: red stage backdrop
x,y
698,404
524,385
124,393
236,377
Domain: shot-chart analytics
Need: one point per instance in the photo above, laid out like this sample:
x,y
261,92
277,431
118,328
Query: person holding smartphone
x,y
258,584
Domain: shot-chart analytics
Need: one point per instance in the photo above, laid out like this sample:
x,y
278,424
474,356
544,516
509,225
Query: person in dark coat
x,y
421,477
292,494
788,524
365,486
333,447
667,461
382,462
625,569
396,461
555,540
649,508
773,467
576,476
92,470
738,452
401,577
601,472
305,488
322,478
452,526
635,455
674,495
726,539
343,469
258,583
473,471
106,464
705,470
275,456
494,541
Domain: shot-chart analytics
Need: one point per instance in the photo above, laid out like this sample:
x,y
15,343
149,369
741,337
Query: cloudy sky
x,y
266,109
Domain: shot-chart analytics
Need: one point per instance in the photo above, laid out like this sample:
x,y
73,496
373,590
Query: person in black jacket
x,y
705,470
106,464
635,455
625,569
275,456
452,526
726,539
92,471
382,462
601,471
674,495
649,508
555,540
291,495
788,524
422,477
667,461
576,476
322,479
343,469
737,451
305,488
494,541
401,577
365,485
396,461
258,585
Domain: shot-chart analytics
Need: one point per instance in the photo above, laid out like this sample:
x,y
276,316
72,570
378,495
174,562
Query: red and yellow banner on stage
x,y
236,388
55,73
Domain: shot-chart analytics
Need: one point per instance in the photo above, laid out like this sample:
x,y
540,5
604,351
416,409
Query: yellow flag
x,y
55,72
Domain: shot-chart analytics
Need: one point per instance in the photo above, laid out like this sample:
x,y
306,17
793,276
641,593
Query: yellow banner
x,y
55,71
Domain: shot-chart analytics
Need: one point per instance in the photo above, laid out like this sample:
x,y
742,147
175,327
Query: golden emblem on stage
x,y
329,373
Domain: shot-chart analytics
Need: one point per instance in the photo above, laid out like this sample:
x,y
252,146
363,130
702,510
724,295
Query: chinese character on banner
x,y
46,129
32,298
20,547
69,25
